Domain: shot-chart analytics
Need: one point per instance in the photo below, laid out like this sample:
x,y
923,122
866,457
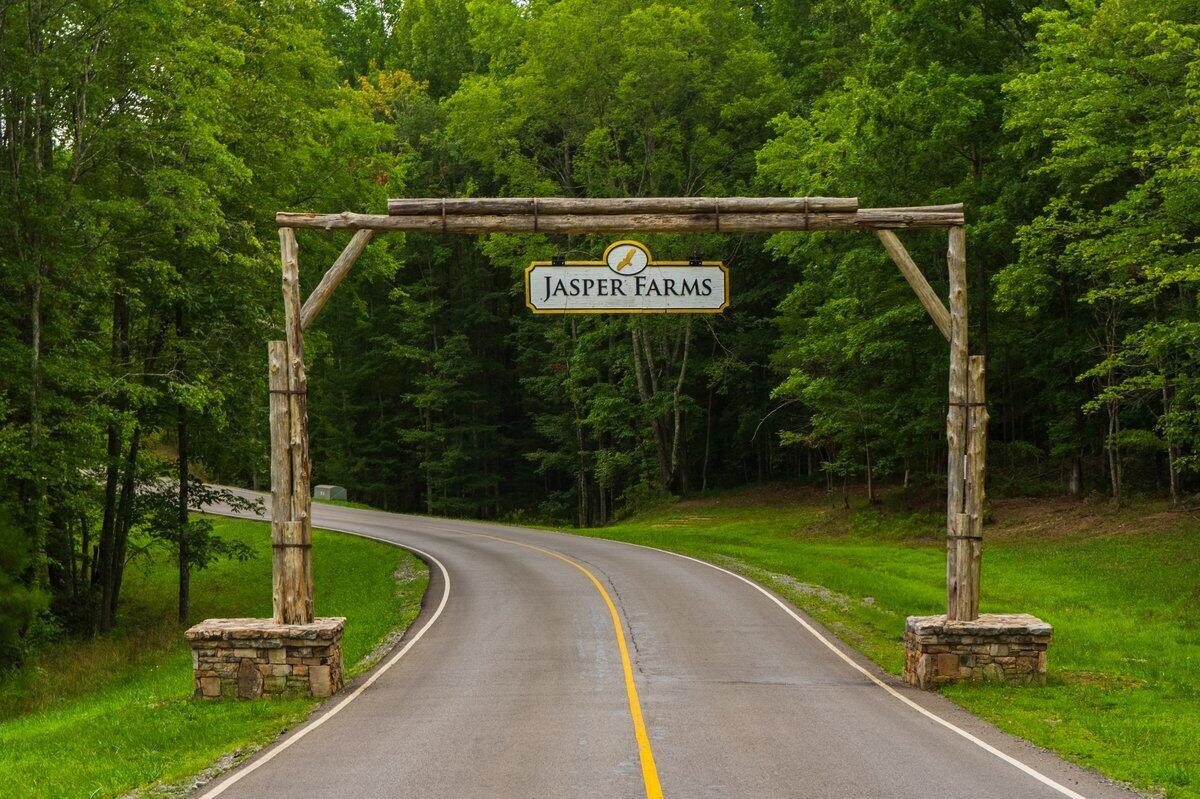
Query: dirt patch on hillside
x,y
767,496
1064,517
1007,518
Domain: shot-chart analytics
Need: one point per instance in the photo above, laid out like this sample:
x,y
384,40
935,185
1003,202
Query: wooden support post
x,y
962,566
970,551
956,416
924,292
298,593
281,474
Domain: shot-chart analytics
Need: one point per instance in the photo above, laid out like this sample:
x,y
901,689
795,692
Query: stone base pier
x,y
998,647
251,658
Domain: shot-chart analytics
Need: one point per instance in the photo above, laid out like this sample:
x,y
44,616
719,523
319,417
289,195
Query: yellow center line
x,y
645,753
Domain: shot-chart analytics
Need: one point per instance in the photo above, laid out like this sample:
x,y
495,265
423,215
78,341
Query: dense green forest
x,y
147,145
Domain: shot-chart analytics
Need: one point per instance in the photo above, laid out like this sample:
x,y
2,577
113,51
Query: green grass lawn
x,y
114,715
1122,589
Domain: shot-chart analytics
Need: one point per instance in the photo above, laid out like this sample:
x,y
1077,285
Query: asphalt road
x,y
552,665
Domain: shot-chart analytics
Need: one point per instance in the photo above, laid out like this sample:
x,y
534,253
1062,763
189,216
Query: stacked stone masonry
x,y
251,658
996,647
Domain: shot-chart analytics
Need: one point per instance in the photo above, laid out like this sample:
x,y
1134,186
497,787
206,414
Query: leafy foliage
x,y
149,143
19,603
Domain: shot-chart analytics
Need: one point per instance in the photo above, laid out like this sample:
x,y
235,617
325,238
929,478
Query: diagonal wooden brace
x,y
333,278
908,268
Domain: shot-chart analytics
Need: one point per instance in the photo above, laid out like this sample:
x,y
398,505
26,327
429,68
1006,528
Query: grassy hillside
x,y
1120,588
109,716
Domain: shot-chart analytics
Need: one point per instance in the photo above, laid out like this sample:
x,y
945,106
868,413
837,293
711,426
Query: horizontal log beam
x,y
926,208
863,219
590,206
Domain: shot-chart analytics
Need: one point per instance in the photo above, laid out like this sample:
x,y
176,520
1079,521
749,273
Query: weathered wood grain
x,y
964,524
956,207
333,278
281,469
297,560
975,488
550,206
864,219
956,415
298,571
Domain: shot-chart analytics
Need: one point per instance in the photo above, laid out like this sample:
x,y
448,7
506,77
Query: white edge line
x,y
238,774
1032,772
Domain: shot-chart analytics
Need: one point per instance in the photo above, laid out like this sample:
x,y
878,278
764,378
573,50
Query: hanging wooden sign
x,y
627,280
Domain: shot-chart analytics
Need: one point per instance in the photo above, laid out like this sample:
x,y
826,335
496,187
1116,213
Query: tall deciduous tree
x,y
1109,109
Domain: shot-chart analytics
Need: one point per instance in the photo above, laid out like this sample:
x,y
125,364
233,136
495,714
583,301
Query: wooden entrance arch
x,y
966,417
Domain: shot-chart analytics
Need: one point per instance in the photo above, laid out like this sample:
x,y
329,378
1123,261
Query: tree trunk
x,y
124,520
1114,409
1114,451
678,464
103,573
581,480
85,555
30,131
643,365
1171,454
106,573
428,470
602,508
870,477
707,442
35,494
181,427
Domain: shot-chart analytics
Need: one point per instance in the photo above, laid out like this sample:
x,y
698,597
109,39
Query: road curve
x,y
511,684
